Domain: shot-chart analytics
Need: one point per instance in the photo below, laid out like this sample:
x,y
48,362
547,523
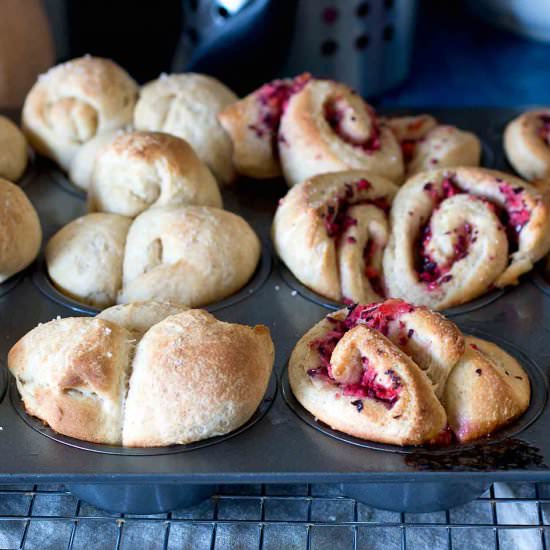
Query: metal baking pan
x,y
282,444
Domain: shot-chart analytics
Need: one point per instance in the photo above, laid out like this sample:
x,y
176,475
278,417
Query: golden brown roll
x,y
13,150
402,374
427,145
253,125
75,101
20,231
326,127
84,258
192,255
173,377
331,231
195,377
187,105
140,170
375,371
73,373
458,233
527,144
486,390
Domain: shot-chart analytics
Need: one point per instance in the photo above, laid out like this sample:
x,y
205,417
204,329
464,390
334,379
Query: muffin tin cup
x,y
538,278
9,284
42,281
309,294
39,426
539,397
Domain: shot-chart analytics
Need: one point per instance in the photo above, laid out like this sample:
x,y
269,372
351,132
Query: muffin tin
x,y
281,444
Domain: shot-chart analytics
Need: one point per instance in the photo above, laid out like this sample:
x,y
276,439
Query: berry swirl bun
x,y
326,127
75,101
402,374
527,144
457,233
331,231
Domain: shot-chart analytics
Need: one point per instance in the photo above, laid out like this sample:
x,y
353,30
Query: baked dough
x,y
253,124
192,255
331,231
187,105
75,101
457,233
84,258
402,374
527,144
195,377
13,150
427,145
486,390
326,127
190,376
139,170
20,231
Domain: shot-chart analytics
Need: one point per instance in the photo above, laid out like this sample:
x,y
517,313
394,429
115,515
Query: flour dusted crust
x,y
326,127
143,375
470,244
527,144
84,258
186,105
13,150
323,225
140,170
72,373
192,255
20,231
75,101
195,377
486,390
401,374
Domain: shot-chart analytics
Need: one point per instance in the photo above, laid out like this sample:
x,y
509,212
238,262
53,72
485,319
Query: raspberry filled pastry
x,y
458,233
331,231
253,125
402,374
527,144
327,127
427,145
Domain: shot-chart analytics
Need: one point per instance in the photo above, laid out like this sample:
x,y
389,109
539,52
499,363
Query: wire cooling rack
x,y
275,517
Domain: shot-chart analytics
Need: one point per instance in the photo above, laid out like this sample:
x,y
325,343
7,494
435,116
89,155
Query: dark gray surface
x,y
280,448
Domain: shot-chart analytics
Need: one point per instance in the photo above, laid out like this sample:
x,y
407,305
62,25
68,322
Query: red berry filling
x,y
544,130
445,438
408,147
518,214
335,113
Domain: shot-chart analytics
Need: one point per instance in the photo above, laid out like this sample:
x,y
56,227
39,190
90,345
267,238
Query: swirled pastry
x,y
84,258
326,127
184,376
253,124
75,101
187,105
427,145
189,255
397,373
20,231
13,150
331,231
192,255
487,389
458,233
527,144
138,170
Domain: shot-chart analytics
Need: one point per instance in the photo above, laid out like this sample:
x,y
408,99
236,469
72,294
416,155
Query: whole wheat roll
x,y
20,231
327,127
13,150
458,233
75,101
139,170
527,144
186,105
